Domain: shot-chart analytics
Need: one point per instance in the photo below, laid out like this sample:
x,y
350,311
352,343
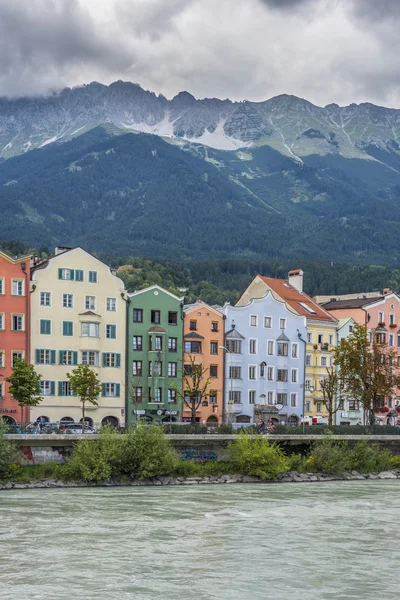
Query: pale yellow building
x,y
78,316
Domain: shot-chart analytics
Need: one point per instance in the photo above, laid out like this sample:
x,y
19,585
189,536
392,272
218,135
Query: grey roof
x,y
352,303
193,335
283,338
233,334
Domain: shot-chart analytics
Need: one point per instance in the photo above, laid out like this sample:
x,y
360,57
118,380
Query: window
x,y
381,317
262,369
111,359
137,315
350,328
90,357
172,369
43,357
17,287
111,332
110,390
282,323
213,347
308,384
157,370
68,328
2,286
323,361
1,321
68,300
64,389
158,341
92,276
234,346
354,405
293,400
307,308
318,407
391,340
90,329
252,396
78,275
213,370
213,397
172,318
47,388
235,372
171,396
341,404
270,398
157,395
308,406
294,375
391,319
282,375
308,360
295,351
193,347
17,354
253,320
111,304
45,327
214,326
281,398
316,361
283,348
1,359
172,344
90,302
270,348
193,325
270,373
137,368
68,357
155,316
187,370
268,322
235,397
137,342
137,394
45,298
309,338
17,323
252,346
252,372
330,339
66,274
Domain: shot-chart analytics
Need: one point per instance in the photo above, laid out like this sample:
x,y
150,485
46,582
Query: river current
x,y
226,542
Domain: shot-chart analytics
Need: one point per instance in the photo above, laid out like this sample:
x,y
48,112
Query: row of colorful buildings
x,y
264,357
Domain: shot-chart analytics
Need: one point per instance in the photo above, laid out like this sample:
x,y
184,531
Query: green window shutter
x,y
42,327
52,388
75,358
112,331
52,357
104,359
37,357
59,273
117,390
117,360
72,273
67,328
60,390
61,357
103,389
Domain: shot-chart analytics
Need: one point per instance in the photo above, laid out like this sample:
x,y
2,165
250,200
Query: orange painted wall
x,y
358,314
13,341
205,316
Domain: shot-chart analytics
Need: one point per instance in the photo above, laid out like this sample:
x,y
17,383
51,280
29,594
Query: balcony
x,y
324,347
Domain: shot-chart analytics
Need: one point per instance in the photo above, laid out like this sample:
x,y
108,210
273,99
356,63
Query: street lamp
x,y
231,391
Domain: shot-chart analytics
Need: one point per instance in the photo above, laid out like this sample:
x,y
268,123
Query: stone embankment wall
x,y
36,449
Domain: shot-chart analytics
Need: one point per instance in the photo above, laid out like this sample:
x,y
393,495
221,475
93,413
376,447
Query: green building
x,y
154,356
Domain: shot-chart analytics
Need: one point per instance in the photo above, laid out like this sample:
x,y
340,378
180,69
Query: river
x,y
226,542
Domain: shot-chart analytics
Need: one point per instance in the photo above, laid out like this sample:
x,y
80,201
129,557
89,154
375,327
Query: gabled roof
x,y
352,303
156,329
283,338
193,336
300,302
199,304
14,260
155,287
233,334
89,313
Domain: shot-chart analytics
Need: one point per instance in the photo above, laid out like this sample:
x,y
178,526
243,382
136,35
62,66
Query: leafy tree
x,y
367,368
85,384
195,386
332,386
25,384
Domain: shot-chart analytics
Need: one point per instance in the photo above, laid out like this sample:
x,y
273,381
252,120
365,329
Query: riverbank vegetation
x,y
145,453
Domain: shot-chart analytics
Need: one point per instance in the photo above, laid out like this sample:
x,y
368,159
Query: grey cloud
x,y
285,4
375,10
151,18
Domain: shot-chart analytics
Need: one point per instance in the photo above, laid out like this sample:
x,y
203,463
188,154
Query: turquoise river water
x,y
234,542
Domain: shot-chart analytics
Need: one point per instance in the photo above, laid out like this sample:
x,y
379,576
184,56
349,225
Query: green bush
x,y
96,459
328,456
256,456
7,452
146,453
297,462
366,457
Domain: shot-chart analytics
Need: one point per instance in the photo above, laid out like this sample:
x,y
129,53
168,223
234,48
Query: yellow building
x,y
321,331
78,316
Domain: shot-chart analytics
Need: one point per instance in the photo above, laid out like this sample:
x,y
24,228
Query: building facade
x,y
14,329
349,412
78,316
265,357
155,333
204,344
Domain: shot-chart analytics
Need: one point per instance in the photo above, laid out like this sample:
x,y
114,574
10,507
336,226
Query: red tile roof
x,y
293,298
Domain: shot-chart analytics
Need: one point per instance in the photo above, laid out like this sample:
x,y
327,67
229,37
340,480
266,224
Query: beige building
x,y
78,316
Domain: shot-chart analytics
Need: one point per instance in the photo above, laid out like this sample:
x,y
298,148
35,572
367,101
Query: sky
x,y
340,51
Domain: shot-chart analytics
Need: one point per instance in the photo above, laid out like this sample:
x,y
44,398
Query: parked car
x,y
76,428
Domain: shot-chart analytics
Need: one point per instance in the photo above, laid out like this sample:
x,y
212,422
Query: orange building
x,y
14,328
203,343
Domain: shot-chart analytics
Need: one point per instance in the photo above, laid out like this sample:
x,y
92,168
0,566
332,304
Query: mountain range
x,y
120,169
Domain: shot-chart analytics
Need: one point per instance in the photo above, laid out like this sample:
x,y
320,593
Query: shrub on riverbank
x,y
257,456
7,452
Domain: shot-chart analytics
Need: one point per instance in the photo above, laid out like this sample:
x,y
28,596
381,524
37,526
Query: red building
x,y
14,328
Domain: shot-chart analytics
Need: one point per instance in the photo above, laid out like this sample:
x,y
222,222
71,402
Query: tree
x,y
368,368
135,397
85,384
195,386
25,384
332,386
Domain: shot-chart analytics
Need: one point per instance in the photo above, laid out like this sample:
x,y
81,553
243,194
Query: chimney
x,y
295,279
60,249
386,291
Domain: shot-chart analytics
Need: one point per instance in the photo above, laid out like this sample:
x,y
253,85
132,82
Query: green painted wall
x,y
150,332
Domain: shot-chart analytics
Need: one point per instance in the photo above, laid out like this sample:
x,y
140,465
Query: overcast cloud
x,y
324,50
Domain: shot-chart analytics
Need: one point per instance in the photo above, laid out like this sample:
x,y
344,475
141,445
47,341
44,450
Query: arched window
x,y
112,421
88,421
